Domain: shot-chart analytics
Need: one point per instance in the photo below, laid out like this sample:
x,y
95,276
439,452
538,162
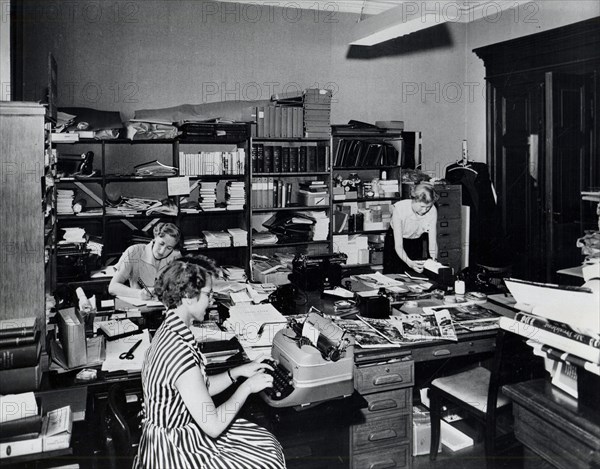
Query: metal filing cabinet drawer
x,y
450,201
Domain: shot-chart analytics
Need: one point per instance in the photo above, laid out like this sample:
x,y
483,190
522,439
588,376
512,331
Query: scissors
x,y
129,354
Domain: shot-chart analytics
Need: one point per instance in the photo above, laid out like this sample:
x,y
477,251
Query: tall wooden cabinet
x,y
22,278
543,95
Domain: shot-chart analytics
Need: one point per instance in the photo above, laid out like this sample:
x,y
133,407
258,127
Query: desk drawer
x,y
391,429
376,378
396,457
387,401
447,350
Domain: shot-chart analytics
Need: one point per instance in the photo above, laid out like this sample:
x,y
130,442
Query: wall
x,y
530,18
145,54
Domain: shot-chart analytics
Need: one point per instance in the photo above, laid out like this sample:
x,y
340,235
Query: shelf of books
x,y
290,196
111,193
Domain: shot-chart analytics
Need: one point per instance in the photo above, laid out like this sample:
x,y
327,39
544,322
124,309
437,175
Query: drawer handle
x,y
383,405
388,379
441,352
441,235
383,464
444,224
443,194
383,435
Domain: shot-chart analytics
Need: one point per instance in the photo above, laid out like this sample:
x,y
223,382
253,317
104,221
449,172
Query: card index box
x,y
72,337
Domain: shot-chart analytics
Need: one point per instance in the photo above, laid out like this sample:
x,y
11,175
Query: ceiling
x,y
382,20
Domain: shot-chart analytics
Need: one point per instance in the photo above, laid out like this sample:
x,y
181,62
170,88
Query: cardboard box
x,y
422,432
71,327
313,198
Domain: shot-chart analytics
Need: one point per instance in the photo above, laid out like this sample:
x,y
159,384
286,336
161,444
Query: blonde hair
x,y
424,193
162,229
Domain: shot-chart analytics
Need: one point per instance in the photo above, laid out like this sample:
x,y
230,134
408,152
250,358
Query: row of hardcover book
x,y
289,157
20,355
206,163
268,192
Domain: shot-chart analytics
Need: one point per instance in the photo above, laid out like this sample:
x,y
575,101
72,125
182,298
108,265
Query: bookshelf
x,y
214,164
367,176
290,197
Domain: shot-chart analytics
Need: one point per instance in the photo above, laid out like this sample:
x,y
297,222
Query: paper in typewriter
x,y
255,325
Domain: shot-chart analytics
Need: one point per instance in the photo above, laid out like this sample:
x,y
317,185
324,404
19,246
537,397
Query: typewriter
x,y
312,272
309,371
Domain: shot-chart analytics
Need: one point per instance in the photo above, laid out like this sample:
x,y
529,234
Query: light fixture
x,y
411,16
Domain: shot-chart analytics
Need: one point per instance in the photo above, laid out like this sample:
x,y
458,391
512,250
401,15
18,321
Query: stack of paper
x,y
217,239
193,244
255,325
115,348
64,201
321,227
239,236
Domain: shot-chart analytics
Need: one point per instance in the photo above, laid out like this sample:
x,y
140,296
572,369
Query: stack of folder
x,y
317,113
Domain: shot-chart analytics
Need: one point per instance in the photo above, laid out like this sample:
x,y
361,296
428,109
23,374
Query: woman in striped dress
x,y
183,428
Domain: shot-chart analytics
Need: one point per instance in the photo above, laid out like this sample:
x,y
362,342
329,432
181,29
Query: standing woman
x,y
413,231
183,427
145,262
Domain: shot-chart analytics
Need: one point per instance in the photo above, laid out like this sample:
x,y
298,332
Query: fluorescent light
x,y
412,16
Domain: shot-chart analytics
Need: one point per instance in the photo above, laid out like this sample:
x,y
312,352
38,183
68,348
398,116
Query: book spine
x,y
19,357
551,339
20,448
20,379
20,332
557,329
17,341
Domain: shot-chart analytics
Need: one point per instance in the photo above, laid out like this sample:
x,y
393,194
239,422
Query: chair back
x,y
119,444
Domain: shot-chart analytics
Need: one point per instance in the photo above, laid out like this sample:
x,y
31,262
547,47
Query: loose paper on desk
x,y
255,325
115,348
139,302
378,280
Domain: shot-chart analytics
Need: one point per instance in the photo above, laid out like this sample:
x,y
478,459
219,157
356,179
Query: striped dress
x,y
171,439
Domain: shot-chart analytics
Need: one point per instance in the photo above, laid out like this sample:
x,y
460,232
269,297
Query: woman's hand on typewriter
x,y
258,382
259,365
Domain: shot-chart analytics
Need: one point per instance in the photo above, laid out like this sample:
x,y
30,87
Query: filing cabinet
x,y
382,435
449,235
449,225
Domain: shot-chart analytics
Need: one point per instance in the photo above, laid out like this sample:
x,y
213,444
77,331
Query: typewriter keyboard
x,y
282,382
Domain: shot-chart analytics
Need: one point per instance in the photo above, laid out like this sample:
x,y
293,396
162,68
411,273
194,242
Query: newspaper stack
x,y
239,236
217,239
64,201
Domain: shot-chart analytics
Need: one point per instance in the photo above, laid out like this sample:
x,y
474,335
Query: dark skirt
x,y
416,249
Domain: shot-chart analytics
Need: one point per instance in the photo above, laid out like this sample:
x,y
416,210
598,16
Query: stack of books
x,y
20,352
317,113
23,429
207,195
235,195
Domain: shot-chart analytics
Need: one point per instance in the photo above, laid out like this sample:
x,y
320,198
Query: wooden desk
x,y
552,424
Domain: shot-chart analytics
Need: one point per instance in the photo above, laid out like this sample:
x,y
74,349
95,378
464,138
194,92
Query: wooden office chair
x,y
478,391
121,429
